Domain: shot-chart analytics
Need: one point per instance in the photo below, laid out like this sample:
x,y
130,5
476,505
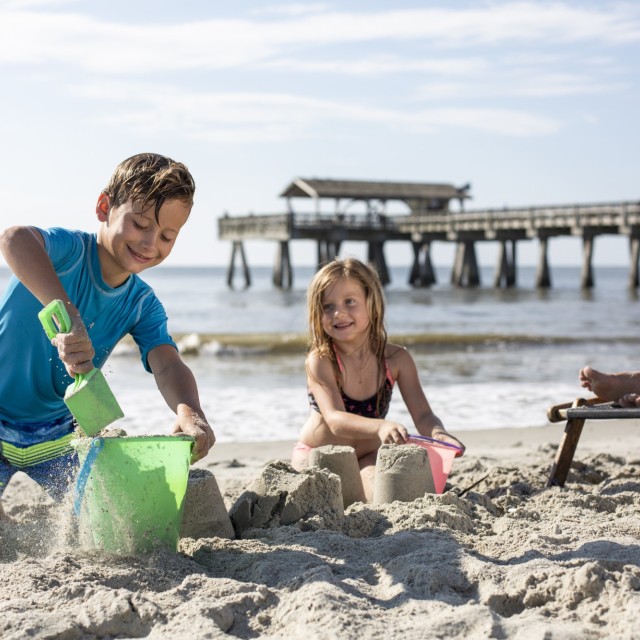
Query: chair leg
x,y
564,456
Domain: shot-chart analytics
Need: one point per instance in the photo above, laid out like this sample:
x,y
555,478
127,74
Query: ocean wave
x,y
246,344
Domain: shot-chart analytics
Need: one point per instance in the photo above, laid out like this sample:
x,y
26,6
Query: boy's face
x,y
131,240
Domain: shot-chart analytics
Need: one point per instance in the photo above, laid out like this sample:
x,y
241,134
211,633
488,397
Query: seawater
x,y
488,358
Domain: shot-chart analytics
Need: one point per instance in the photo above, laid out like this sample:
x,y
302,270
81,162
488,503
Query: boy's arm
x,y
178,387
23,249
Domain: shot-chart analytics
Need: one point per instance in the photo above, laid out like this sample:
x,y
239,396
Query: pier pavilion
x,y
427,218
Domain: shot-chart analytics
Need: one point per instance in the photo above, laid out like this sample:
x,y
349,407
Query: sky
x,y
531,102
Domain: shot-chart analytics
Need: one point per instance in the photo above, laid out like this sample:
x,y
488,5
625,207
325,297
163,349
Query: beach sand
x,y
508,559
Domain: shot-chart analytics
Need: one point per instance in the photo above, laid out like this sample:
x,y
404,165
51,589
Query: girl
x,y
351,371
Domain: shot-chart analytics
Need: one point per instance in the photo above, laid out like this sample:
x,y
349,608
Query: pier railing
x,y
507,226
616,217
298,225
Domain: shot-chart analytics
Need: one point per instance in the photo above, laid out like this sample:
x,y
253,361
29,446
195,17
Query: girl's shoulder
x,y
398,360
317,359
319,369
395,352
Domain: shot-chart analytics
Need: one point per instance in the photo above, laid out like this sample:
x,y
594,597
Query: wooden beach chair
x,y
575,414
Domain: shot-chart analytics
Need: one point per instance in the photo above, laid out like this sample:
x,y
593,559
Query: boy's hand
x,y
193,424
75,348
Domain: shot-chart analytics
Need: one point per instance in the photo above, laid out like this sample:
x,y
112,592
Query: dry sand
x,y
508,559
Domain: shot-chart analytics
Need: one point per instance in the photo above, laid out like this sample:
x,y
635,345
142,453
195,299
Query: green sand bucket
x,y
129,493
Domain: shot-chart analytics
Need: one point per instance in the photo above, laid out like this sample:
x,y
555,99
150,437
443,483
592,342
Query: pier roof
x,y
369,190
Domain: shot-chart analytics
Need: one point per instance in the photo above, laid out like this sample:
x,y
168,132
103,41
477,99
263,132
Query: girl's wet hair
x,y
367,277
150,178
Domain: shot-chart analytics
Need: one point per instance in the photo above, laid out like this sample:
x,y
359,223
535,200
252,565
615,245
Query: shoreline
x,y
595,433
615,437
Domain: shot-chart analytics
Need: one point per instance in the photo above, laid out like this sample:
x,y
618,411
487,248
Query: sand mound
x,y
507,559
281,496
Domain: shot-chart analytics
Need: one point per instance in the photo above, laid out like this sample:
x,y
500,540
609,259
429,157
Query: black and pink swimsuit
x,y
376,406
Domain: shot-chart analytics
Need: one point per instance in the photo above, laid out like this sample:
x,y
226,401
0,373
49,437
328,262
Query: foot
x,y
609,386
630,400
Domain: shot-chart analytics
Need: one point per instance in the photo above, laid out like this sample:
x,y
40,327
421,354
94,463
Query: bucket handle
x,y
97,444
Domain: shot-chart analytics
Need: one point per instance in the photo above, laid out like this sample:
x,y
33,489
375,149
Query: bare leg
x,y
609,386
368,473
300,459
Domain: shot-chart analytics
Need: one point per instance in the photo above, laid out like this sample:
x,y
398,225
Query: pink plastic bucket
x,y
441,455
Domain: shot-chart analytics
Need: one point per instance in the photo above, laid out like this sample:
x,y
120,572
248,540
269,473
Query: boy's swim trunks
x,y
49,462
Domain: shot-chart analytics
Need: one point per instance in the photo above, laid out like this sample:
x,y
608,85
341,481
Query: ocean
x,y
488,358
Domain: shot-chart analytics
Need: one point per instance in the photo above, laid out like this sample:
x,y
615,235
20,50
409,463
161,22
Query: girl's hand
x,y
75,348
443,436
392,433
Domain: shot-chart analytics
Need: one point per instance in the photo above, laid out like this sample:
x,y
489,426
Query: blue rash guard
x,y
33,379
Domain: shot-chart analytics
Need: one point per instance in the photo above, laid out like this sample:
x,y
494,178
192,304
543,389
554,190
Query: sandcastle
x,y
205,514
403,473
343,462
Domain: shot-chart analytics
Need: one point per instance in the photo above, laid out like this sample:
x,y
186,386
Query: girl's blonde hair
x,y
321,343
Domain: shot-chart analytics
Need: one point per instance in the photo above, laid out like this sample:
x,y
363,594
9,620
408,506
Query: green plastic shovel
x,y
89,398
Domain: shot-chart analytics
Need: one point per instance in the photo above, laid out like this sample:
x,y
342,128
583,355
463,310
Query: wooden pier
x,y
429,220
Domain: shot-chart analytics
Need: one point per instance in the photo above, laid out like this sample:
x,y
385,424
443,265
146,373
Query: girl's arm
x,y
178,387
427,423
23,249
322,383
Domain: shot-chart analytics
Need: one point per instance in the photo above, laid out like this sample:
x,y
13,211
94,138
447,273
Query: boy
x,y
141,212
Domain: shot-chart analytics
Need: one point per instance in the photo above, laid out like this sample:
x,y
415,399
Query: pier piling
x,y
465,269
586,277
543,275
634,280
283,273
422,272
237,249
505,273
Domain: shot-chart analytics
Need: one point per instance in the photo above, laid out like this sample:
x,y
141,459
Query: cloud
x,y
125,48
381,64
292,9
304,66
541,85
269,117
21,5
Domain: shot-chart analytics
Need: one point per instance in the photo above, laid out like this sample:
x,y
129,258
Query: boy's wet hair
x,y
150,178
367,277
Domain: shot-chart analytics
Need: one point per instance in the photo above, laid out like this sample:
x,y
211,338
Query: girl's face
x,y
345,316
